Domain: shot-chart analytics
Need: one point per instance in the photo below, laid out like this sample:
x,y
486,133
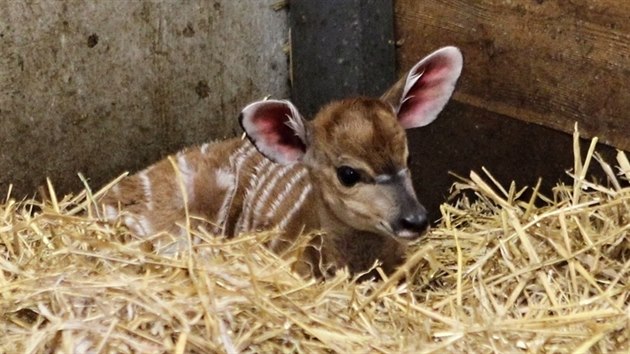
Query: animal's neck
x,y
342,245
330,223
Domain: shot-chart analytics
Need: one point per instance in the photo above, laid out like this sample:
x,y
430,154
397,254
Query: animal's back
x,y
229,188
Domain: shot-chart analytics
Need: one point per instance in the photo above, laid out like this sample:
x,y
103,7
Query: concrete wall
x,y
108,86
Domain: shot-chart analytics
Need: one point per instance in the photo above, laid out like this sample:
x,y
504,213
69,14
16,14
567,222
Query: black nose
x,y
417,222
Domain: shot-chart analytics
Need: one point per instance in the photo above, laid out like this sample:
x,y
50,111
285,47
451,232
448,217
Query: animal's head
x,y
356,149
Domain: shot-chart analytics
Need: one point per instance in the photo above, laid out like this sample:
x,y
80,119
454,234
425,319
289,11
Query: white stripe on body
x,y
289,186
298,204
146,188
257,179
188,176
278,173
236,160
291,213
225,180
139,224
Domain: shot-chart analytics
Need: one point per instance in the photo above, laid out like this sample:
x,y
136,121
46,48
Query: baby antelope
x,y
342,176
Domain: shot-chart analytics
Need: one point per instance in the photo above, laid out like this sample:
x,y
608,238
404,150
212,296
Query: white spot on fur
x,y
204,148
111,213
146,225
139,225
133,225
224,179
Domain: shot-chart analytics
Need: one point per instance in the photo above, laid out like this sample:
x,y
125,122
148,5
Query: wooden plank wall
x,y
552,63
531,69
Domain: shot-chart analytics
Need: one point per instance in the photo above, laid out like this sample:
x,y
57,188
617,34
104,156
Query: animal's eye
x,y
348,176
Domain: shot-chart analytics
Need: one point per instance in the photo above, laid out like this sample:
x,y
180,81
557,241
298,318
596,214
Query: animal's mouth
x,y
408,235
401,234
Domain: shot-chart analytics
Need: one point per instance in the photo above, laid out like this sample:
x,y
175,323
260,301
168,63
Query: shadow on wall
x,y
465,139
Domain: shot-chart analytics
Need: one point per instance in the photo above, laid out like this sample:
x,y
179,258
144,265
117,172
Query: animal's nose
x,y
416,222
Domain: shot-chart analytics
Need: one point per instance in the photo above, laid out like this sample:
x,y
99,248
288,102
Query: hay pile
x,y
499,274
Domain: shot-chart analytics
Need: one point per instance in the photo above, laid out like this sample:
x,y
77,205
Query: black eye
x,y
348,176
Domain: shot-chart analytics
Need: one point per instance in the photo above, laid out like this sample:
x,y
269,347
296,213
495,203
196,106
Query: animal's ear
x,y
276,128
423,92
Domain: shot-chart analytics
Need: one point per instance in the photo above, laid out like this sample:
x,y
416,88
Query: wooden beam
x,y
340,48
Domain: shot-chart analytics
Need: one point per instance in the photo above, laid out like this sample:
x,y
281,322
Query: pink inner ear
x,y
273,136
429,94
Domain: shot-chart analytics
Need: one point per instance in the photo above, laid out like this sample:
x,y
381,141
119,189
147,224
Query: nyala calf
x,y
343,175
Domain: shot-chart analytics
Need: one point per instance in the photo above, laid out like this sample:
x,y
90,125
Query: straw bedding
x,y
502,272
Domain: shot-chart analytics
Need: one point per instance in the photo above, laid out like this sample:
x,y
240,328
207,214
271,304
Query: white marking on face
x,y
387,178
406,234
383,178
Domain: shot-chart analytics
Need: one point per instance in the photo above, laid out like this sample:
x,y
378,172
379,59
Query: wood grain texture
x,y
552,63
